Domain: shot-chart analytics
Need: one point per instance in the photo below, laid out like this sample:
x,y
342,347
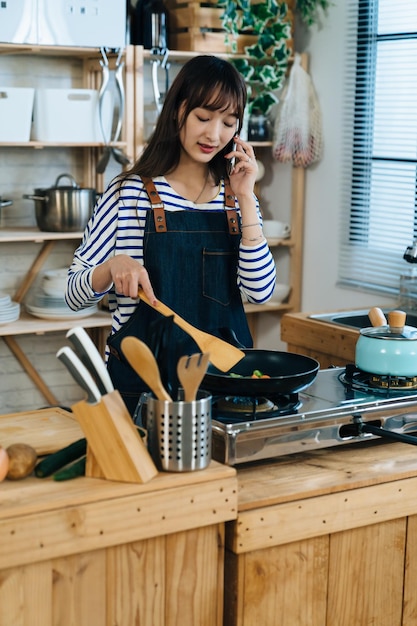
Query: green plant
x,y
266,63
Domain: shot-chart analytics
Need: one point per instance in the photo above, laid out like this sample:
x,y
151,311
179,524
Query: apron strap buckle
x,y
157,205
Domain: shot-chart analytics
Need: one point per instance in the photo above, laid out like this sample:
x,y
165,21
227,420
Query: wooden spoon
x,y
144,363
223,355
190,371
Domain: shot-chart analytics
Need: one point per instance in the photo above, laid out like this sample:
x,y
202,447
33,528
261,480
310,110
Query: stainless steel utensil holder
x,y
179,433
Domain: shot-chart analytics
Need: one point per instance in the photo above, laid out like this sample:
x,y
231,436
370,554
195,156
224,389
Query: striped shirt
x,y
117,227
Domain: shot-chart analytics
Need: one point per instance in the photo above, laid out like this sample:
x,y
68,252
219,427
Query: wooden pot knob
x,y
396,319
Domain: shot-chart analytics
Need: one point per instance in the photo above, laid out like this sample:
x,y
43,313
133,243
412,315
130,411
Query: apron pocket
x,y
219,271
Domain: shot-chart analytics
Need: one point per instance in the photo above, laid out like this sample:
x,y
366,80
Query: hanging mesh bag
x,y
297,134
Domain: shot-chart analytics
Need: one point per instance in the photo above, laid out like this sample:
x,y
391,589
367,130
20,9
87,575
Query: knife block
x,y
115,450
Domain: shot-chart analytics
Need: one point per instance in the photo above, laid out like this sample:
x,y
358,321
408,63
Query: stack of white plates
x,y
9,310
49,303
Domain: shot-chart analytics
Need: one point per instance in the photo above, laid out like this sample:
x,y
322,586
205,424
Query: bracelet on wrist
x,y
252,239
248,225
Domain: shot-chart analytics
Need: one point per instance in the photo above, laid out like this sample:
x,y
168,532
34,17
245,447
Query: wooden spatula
x,y
190,371
223,355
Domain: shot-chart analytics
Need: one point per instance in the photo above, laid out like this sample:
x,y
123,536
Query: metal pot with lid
x,y
388,349
63,208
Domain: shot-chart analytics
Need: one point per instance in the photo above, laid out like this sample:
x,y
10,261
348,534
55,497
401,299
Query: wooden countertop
x,y
42,519
324,471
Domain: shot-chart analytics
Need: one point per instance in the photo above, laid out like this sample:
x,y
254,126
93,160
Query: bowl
x,y
274,229
281,292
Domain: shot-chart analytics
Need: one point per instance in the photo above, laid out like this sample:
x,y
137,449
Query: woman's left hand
x,y
243,175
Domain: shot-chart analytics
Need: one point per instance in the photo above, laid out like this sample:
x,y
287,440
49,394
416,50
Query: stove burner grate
x,y
235,409
356,378
393,382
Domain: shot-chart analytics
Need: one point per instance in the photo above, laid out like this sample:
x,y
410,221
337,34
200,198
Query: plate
x,y
5,299
53,314
12,318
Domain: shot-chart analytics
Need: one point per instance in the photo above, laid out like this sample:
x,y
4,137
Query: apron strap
x,y
231,213
159,212
157,205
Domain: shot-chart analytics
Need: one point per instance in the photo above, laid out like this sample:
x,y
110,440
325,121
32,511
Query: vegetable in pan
x,y
255,374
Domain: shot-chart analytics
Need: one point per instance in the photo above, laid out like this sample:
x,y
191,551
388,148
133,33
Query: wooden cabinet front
x,y
325,538
92,552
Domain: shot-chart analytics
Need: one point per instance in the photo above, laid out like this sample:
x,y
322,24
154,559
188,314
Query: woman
x,y
199,245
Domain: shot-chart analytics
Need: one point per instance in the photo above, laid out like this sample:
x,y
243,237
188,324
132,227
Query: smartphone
x,y
232,161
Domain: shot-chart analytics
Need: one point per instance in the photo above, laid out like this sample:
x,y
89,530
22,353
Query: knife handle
x,y
80,373
91,358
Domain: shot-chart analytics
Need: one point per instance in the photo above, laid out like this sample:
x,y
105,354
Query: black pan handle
x,y
388,434
229,335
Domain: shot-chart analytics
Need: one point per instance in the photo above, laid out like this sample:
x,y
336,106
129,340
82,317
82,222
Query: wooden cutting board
x,y
46,430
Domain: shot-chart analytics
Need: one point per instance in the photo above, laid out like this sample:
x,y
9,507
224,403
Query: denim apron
x,y
191,258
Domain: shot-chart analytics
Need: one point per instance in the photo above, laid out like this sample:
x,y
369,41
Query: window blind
x,y
379,216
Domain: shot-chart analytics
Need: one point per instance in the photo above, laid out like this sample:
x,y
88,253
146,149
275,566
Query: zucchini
x,y
75,469
61,458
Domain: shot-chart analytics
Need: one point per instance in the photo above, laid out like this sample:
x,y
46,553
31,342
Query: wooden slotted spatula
x,y
223,355
190,371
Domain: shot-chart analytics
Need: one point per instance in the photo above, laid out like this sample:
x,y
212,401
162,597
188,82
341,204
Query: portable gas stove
x,y
341,406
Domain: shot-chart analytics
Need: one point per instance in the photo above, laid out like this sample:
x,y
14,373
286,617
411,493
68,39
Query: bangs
x,y
218,97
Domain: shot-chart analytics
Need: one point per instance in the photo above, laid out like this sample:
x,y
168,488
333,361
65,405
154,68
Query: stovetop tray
x,y
328,416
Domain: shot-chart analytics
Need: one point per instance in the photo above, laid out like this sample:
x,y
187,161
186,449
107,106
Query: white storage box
x,y
19,21
70,115
16,106
90,23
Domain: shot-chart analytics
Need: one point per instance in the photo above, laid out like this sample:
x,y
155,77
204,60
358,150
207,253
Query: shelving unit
x,y
99,323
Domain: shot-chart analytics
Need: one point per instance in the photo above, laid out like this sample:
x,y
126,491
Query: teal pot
x,y
387,350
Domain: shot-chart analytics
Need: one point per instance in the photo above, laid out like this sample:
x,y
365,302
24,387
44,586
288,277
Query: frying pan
x,y
289,373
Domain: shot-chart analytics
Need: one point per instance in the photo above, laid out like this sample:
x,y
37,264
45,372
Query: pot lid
x,y
408,333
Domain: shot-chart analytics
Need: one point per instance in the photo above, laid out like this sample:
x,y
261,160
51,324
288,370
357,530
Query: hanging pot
x,y
388,350
63,208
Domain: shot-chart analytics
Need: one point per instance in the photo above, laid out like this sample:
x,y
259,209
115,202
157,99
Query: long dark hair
x,y
204,81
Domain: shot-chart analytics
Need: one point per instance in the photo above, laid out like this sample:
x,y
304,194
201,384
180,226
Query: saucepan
x,y
63,208
288,373
389,349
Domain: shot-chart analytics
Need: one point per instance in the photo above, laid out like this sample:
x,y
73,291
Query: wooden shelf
x,y
31,325
58,51
39,145
8,235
